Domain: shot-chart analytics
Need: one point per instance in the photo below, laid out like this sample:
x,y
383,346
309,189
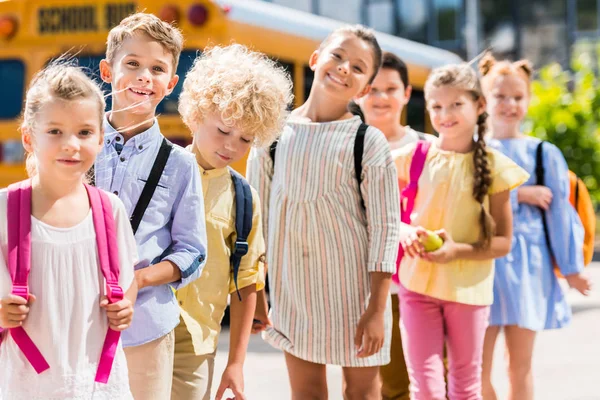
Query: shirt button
x,y
107,141
122,159
116,192
118,139
140,147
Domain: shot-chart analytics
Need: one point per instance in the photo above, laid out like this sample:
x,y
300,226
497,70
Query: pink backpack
x,y
409,193
19,265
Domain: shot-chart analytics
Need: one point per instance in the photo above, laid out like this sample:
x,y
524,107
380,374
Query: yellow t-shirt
x,y
203,301
445,201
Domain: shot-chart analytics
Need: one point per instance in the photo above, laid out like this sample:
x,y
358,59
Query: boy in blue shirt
x,y
164,199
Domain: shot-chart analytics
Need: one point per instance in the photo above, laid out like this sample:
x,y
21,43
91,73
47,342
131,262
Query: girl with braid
x,y
463,196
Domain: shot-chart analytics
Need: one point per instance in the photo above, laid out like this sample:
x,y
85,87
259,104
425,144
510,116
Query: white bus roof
x,y
303,24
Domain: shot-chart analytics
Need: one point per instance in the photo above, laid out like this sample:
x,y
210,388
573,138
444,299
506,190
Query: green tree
x,y
565,110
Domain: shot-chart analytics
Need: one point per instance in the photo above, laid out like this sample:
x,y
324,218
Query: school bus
x,y
33,32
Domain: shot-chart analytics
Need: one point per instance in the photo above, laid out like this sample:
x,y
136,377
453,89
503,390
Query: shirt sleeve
x,y
506,174
259,172
251,270
564,227
128,256
188,228
380,193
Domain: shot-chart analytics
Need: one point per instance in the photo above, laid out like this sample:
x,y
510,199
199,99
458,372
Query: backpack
x,y
243,223
579,199
19,265
409,193
359,148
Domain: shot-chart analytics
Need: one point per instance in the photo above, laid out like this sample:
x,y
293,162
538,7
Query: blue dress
x,y
526,290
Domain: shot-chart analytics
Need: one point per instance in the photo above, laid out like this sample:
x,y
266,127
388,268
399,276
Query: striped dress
x,y
321,245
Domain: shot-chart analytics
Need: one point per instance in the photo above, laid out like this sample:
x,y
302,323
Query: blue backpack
x,y
243,223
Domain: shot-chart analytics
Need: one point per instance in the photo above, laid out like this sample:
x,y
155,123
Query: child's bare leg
x,y
361,383
489,343
520,343
308,380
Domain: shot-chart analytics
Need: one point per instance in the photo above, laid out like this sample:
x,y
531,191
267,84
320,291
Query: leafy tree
x,y
565,110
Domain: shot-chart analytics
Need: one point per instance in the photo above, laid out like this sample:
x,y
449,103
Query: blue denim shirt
x,y
172,228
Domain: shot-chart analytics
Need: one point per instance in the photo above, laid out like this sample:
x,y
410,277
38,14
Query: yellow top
x,y
203,301
445,201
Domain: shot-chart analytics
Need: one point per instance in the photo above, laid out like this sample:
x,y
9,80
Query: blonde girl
x,y
527,295
66,316
463,195
331,259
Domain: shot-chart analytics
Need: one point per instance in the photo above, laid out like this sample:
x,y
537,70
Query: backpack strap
x,y
272,151
359,149
420,135
409,192
155,173
541,180
243,223
108,256
19,263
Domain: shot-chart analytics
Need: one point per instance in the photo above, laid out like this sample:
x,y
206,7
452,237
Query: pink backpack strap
x,y
108,255
409,193
19,263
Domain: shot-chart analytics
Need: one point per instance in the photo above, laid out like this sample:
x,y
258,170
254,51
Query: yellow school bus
x,y
33,32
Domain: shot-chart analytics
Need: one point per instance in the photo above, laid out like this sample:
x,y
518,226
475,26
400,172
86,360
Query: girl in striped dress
x,y
527,295
330,255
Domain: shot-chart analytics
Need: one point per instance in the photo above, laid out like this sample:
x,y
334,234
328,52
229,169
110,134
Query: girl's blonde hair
x,y
463,77
246,89
61,80
490,68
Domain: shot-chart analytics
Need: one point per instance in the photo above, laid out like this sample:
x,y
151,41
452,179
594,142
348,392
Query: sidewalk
x,y
566,364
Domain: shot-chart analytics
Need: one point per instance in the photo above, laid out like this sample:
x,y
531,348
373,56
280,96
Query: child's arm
x,y
241,315
370,332
261,315
187,255
120,314
259,172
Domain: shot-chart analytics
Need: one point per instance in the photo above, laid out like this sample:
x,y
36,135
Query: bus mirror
x,y
197,15
8,27
170,14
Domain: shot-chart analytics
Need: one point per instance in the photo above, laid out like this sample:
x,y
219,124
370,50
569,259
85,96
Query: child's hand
x,y
369,333
261,314
412,244
120,314
446,253
536,195
14,310
233,379
580,282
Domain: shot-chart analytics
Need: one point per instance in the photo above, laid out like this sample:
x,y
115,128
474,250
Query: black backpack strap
x,y
420,135
541,180
243,223
359,148
155,173
272,151
577,182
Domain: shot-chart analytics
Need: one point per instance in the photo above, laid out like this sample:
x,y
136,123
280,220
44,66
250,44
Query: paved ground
x,y
566,365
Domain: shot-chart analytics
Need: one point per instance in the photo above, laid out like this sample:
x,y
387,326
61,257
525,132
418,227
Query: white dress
x,y
66,321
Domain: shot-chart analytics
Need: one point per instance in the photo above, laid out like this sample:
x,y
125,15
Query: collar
x,y
141,141
209,173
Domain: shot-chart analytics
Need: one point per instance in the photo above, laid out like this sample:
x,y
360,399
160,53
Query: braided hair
x,y
462,76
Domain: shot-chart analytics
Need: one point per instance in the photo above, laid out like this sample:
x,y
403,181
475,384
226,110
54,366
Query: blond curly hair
x,y
246,89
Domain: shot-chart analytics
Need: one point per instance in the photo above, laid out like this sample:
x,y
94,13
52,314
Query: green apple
x,y
432,241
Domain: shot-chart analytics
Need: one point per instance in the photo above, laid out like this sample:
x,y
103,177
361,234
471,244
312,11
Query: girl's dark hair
x,y
365,34
463,77
355,109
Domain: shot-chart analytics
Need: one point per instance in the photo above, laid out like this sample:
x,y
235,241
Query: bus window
x,y
309,75
415,111
169,104
289,70
12,81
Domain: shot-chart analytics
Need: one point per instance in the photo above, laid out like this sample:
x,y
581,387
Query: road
x,y
566,364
